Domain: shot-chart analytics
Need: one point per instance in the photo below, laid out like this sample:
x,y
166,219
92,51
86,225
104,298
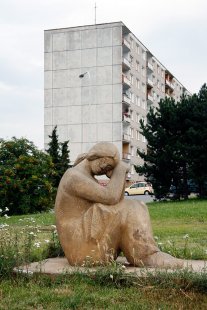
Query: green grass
x,y
181,225
80,291
109,288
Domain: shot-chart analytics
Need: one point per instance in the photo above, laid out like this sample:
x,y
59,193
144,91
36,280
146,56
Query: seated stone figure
x,y
95,222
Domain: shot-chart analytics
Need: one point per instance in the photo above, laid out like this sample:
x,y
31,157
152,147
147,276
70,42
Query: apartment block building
x,y
100,80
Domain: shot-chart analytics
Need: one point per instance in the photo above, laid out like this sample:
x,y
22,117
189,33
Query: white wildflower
x,y
37,244
156,238
0,210
53,226
6,209
6,216
111,276
186,236
47,241
31,233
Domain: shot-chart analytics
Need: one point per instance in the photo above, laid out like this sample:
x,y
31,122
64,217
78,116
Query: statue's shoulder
x,y
73,175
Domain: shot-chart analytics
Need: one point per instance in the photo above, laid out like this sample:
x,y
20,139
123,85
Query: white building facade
x,y
100,80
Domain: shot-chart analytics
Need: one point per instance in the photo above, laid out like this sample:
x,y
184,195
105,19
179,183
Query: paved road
x,y
145,198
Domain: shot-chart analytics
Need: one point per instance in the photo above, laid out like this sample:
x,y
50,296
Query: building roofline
x,y
128,30
91,25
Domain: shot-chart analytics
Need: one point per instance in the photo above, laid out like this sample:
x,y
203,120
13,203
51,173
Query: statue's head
x,y
102,157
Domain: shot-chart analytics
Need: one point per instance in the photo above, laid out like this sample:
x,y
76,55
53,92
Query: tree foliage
x,y
25,172
59,153
176,151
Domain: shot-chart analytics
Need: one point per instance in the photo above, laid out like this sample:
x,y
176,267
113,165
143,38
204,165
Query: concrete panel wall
x,y
84,109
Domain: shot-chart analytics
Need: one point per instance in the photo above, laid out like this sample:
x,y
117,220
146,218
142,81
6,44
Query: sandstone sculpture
x,y
95,223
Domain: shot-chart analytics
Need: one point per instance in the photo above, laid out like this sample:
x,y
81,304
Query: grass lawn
x,y
179,227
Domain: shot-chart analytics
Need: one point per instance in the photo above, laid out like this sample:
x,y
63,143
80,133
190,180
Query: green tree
x,y
59,153
64,158
177,137
159,166
197,139
25,172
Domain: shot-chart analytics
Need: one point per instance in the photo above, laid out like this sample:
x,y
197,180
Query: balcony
x,y
150,66
149,83
126,45
126,82
150,98
126,99
126,156
169,84
126,118
125,64
126,138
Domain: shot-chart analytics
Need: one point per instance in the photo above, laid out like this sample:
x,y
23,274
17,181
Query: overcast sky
x,y
174,31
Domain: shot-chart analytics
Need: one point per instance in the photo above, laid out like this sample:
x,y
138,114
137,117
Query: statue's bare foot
x,y
162,260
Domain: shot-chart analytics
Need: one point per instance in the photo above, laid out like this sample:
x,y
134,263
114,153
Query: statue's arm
x,y
85,187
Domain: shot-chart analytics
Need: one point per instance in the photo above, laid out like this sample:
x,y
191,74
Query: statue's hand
x,y
121,165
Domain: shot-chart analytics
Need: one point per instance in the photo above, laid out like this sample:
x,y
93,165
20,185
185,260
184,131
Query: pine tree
x,y
64,158
60,156
54,148
176,152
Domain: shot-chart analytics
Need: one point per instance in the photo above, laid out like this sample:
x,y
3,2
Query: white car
x,y
139,188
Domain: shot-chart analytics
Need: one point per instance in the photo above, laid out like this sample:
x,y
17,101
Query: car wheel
x,y
146,192
126,194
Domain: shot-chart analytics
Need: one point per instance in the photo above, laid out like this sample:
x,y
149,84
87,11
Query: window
x,y
137,117
132,150
143,71
138,101
137,135
137,84
143,104
131,79
143,88
132,97
137,66
131,60
131,115
158,84
163,88
131,43
137,48
143,55
131,132
158,69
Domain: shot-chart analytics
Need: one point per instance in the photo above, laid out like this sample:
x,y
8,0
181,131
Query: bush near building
x,y
25,174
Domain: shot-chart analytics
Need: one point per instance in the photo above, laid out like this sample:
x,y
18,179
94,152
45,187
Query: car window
x,y
133,186
141,184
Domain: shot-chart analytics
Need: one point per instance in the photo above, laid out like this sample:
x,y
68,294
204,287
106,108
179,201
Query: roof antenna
x,y
95,12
